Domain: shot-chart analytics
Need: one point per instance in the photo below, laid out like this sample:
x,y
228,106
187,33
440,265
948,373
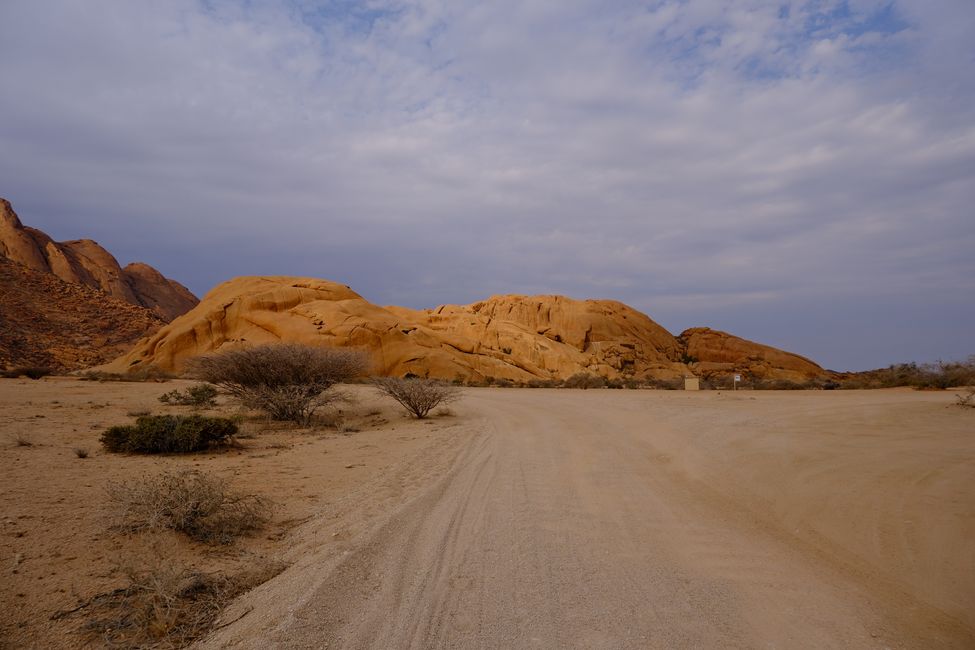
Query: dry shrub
x,y
147,374
161,434
584,380
417,395
164,604
31,372
197,396
967,399
288,381
199,505
543,383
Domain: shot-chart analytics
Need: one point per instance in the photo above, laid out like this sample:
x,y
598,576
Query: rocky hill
x,y
712,353
45,321
512,337
84,262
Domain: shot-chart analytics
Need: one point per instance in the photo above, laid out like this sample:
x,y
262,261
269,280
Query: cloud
x,y
708,162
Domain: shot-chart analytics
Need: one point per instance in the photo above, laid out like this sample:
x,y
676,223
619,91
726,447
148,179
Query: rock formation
x,y
714,353
511,337
45,321
84,262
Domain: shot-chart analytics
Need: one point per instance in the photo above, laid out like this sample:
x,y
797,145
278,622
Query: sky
x,y
797,173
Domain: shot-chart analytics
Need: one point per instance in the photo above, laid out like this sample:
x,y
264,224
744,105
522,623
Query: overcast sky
x,y
797,173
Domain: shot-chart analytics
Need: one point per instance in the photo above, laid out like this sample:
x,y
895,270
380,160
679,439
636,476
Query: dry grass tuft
x,y
199,505
20,440
80,452
967,399
163,604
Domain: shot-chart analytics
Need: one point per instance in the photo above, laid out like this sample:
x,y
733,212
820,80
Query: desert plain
x,y
525,518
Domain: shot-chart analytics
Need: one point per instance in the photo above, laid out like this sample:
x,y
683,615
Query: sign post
x,y
737,379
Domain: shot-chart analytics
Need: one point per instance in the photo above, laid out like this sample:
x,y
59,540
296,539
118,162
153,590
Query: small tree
x,y
288,381
418,396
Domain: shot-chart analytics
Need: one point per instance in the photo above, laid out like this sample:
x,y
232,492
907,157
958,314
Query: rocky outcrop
x,y
511,337
45,321
714,353
152,289
84,261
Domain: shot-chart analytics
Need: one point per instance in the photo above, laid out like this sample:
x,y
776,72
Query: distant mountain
x,y
84,262
45,321
507,337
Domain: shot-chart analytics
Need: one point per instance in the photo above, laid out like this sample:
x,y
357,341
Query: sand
x,y
55,546
545,518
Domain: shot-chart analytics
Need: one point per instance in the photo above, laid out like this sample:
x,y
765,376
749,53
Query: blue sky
x,y
798,173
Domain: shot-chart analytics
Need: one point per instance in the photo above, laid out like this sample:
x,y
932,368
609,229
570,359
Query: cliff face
x,y
45,321
512,337
84,262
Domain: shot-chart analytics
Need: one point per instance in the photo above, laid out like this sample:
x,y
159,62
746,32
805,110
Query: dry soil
x,y
546,518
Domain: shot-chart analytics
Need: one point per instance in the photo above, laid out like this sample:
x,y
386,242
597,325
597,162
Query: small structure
x,y
692,383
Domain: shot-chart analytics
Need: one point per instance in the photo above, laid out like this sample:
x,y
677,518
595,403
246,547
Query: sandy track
x,y
636,519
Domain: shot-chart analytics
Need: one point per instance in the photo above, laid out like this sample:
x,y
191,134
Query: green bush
x,y
162,434
199,395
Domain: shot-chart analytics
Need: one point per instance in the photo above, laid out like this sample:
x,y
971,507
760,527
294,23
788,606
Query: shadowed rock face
x,y
83,261
512,337
718,353
45,321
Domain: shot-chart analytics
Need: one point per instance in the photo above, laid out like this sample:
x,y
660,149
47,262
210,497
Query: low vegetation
x,y
585,380
147,374
924,376
967,399
199,505
31,372
197,396
169,434
417,395
286,381
163,604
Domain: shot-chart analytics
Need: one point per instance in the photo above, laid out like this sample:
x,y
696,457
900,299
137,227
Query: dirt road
x,y
640,519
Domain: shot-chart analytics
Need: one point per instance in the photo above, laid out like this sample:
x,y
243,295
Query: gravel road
x,y
627,519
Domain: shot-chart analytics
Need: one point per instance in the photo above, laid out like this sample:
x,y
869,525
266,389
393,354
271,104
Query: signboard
x,y
737,377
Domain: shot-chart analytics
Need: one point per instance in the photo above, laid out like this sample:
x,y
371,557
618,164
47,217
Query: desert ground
x,y
526,518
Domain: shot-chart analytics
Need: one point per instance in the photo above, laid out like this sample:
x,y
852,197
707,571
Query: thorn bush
x,y
417,395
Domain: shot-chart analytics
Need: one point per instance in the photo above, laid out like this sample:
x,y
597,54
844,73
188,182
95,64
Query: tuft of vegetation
x,y
287,381
585,380
163,604
967,399
197,396
417,395
21,440
148,373
80,452
31,372
162,434
199,505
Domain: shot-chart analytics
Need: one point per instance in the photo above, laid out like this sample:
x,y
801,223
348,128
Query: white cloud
x,y
674,156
